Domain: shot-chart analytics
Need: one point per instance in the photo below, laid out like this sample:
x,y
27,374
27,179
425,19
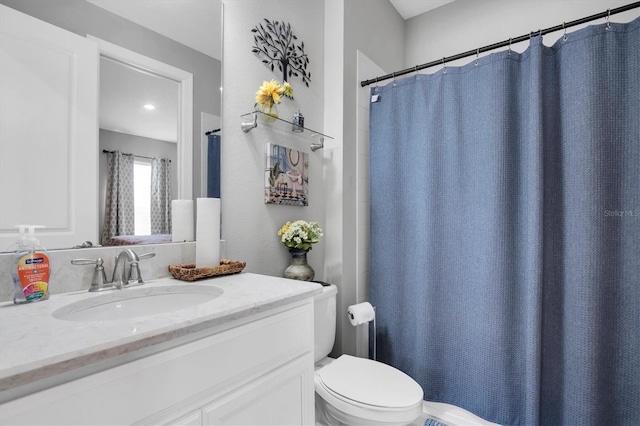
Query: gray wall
x,y
466,25
375,28
249,226
84,18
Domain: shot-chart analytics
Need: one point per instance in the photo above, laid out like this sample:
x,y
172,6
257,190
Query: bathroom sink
x,y
138,302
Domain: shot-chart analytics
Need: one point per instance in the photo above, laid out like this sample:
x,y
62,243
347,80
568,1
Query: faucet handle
x,y
99,281
135,277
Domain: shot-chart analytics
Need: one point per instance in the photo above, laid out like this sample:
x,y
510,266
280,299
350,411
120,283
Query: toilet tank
x,y
324,322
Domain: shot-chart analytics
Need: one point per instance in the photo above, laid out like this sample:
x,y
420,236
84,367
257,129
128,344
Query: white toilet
x,y
357,391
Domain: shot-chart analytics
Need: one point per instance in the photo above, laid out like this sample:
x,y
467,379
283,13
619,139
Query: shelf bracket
x,y
317,145
247,126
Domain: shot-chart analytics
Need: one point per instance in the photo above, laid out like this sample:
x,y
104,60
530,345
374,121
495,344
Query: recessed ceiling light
x,y
149,107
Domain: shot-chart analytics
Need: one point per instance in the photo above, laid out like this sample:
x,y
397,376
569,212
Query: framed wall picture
x,y
286,176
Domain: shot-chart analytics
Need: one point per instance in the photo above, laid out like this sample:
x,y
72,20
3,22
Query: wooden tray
x,y
189,272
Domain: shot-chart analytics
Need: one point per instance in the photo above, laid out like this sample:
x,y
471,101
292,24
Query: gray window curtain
x,y
505,231
160,196
119,217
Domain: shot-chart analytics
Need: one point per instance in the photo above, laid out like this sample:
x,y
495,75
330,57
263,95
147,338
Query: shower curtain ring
x,y
564,36
444,67
608,27
509,53
477,55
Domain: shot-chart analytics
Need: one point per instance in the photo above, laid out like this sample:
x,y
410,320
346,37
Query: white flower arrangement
x,y
300,234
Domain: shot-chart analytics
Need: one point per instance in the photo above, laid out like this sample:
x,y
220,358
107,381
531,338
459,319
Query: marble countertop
x,y
35,346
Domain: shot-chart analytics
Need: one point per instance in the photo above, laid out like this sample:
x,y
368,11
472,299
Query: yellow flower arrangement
x,y
270,93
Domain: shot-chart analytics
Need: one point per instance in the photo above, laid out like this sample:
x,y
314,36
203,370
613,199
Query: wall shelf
x,y
247,126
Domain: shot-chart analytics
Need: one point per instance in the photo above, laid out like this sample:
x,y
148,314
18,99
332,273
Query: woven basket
x,y
189,272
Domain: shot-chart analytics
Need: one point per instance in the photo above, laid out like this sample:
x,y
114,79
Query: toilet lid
x,y
370,382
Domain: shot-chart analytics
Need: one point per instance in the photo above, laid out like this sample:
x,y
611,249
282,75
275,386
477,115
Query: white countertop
x,y
34,345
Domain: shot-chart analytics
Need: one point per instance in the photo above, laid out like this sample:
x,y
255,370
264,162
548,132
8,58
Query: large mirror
x,y
183,35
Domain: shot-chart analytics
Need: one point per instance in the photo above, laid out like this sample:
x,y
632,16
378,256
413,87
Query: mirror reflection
x,y
179,33
138,138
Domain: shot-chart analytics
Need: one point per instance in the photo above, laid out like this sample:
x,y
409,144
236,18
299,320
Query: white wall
x,y
248,225
466,25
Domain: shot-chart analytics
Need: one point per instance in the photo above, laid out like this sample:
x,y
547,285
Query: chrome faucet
x,y
132,276
119,280
124,255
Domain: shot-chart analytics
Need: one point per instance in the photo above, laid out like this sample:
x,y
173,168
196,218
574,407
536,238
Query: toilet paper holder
x,y
352,317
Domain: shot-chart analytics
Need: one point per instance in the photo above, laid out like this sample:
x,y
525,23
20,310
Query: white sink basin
x,y
137,302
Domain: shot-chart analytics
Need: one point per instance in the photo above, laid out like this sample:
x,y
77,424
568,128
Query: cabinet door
x,y
48,131
282,397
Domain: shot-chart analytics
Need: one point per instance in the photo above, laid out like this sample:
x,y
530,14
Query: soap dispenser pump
x,y
31,268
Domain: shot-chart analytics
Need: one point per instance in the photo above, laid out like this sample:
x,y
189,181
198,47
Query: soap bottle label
x,y
33,273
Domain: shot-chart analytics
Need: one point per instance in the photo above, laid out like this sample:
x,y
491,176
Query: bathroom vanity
x,y
243,356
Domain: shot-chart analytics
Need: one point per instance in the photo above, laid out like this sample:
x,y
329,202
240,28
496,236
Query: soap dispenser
x,y
31,268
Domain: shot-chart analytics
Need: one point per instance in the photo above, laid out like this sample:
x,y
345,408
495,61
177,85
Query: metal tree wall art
x,y
276,42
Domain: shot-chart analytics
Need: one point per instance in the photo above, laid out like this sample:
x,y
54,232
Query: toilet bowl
x,y
357,391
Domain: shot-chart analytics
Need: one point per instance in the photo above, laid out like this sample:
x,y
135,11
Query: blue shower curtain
x,y
505,231
213,166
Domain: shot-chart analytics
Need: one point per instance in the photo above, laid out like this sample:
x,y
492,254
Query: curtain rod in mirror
x,y
128,153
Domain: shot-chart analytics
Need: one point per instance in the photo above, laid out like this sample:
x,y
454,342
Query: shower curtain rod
x,y
128,153
564,26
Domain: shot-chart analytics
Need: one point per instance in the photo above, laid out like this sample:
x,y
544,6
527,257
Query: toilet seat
x,y
369,390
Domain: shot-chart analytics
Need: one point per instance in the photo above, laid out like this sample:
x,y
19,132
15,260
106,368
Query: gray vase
x,y
299,268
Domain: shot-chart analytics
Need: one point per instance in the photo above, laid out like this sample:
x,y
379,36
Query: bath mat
x,y
433,422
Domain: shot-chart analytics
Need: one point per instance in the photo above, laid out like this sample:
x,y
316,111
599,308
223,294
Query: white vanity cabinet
x,y
256,370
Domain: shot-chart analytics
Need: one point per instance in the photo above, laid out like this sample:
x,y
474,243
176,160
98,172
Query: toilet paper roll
x,y
182,220
208,232
361,313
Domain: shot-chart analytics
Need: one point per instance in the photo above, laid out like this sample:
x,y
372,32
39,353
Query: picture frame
x,y
286,176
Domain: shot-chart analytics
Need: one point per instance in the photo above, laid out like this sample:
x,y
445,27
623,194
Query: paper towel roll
x,y
361,313
208,232
182,220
